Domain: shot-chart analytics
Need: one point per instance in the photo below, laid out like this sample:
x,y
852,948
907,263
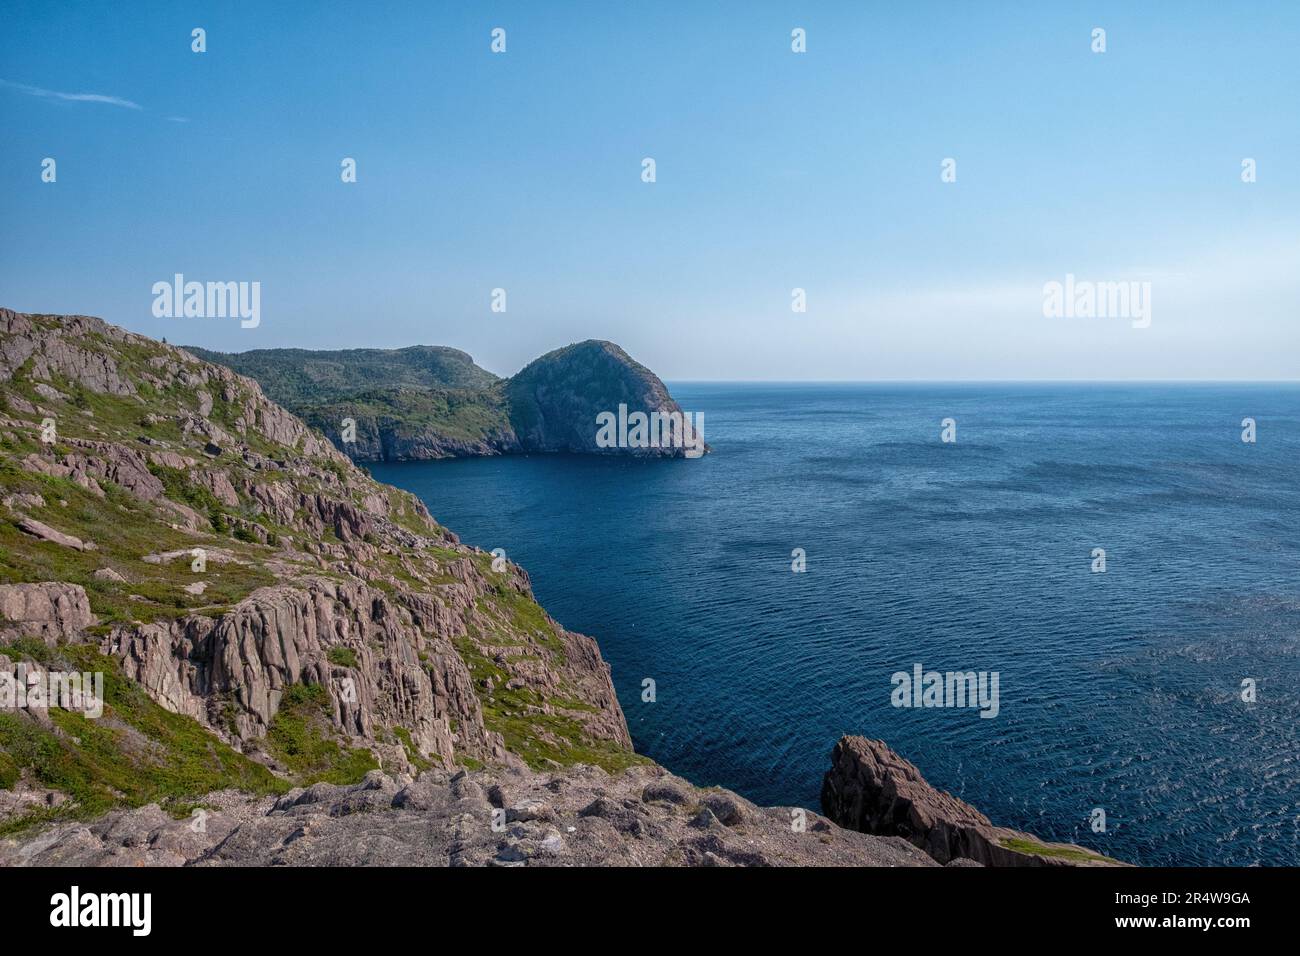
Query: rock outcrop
x,y
871,789
52,611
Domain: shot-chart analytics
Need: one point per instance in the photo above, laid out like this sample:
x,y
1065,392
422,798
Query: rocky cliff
x,y
555,401
161,519
424,403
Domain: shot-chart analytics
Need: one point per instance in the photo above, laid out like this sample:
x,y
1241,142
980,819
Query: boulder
x,y
53,611
39,529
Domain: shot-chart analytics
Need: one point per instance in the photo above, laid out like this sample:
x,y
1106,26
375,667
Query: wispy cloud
x,y
72,97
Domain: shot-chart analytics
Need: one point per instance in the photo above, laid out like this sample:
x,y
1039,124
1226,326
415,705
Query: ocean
x,y
1120,691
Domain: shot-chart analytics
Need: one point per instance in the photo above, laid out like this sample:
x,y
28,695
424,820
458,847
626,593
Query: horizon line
x,y
980,381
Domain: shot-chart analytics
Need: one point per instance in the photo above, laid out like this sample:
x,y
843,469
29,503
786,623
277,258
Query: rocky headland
x,y
428,402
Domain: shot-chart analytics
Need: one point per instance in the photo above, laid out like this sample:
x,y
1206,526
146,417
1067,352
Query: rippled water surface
x,y
1119,690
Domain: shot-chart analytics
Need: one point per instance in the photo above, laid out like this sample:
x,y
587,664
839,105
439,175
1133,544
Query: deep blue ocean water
x,y
1119,691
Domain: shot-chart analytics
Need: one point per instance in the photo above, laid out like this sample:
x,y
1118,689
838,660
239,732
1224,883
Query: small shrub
x,y
342,657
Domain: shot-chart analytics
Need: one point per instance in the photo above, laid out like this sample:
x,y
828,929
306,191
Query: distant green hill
x,y
428,402
303,376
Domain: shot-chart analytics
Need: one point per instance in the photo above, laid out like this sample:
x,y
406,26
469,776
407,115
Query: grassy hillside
x,y
298,377
467,415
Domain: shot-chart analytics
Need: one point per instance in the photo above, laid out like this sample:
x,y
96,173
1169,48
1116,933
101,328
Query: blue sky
x,y
775,170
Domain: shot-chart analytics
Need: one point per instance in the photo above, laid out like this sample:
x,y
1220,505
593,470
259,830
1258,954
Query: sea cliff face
x,y
556,401
426,403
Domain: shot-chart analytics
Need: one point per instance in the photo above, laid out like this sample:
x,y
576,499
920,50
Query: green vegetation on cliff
x,y
137,752
300,738
292,377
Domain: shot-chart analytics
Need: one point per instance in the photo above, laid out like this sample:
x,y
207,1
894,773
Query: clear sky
x,y
775,170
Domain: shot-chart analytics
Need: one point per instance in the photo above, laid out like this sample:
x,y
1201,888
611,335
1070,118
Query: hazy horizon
x,y
806,381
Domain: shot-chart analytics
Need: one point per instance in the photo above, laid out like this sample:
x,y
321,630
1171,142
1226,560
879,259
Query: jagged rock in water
x,y
872,789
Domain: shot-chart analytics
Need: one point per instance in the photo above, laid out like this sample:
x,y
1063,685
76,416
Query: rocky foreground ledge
x,y
578,817
872,789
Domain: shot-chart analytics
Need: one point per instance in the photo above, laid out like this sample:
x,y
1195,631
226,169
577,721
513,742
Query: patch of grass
x,y
31,648
417,759
9,771
538,738
480,665
178,487
446,554
301,739
1060,852
343,657
124,530
535,736
521,614
527,615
